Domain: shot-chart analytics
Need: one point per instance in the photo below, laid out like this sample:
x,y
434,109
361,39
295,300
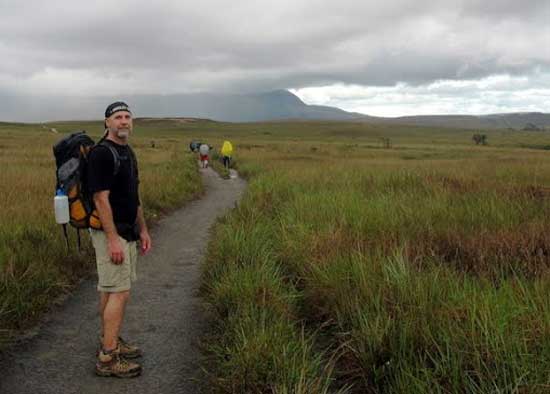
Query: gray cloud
x,y
74,48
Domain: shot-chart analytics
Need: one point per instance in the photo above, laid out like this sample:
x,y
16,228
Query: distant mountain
x,y
275,105
282,105
267,106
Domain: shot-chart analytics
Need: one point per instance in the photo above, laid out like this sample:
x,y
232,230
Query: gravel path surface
x,y
164,316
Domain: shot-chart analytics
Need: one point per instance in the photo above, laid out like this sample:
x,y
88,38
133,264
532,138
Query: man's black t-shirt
x,y
123,186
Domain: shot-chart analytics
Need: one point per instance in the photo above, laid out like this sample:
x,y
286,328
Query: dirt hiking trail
x,y
165,316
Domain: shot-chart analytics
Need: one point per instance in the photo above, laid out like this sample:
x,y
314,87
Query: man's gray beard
x,y
121,133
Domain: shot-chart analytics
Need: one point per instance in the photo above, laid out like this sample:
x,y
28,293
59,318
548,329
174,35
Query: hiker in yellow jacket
x,y
227,151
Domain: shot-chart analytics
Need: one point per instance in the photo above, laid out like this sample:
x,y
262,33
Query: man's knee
x,y
121,295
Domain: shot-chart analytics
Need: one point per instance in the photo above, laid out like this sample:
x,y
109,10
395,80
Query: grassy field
x,y
349,266
35,266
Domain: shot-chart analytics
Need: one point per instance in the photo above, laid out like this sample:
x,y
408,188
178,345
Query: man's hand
x,y
145,242
115,250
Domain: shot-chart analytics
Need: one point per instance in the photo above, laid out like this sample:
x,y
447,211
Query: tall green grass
x,y
260,346
407,274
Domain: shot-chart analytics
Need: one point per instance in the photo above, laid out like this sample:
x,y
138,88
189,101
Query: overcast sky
x,y
377,57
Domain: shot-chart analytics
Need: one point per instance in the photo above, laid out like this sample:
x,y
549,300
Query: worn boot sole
x,y
106,373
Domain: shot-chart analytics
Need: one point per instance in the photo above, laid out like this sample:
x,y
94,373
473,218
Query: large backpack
x,y
71,159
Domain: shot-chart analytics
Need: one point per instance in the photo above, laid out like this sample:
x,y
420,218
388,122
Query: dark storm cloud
x,y
169,46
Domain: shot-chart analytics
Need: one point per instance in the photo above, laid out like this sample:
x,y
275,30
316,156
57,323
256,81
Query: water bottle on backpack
x,y
61,207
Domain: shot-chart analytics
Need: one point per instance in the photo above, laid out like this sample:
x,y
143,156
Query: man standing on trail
x,y
113,180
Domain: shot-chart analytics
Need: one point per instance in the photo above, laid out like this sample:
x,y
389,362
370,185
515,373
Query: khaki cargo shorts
x,y
114,278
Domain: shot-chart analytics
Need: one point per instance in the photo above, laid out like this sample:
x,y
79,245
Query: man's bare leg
x,y
113,306
103,298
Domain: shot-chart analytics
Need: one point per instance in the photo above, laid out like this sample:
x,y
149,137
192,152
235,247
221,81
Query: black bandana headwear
x,y
116,107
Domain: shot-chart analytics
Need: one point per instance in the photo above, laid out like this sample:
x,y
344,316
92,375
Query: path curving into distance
x,y
165,315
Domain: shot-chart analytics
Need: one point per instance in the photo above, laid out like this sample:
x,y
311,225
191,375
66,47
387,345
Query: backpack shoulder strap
x,y
114,152
133,160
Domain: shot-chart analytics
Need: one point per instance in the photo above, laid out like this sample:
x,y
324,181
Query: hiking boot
x,y
112,364
126,350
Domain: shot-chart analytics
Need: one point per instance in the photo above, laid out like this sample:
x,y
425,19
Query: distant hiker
x,y
227,151
194,146
203,154
113,180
